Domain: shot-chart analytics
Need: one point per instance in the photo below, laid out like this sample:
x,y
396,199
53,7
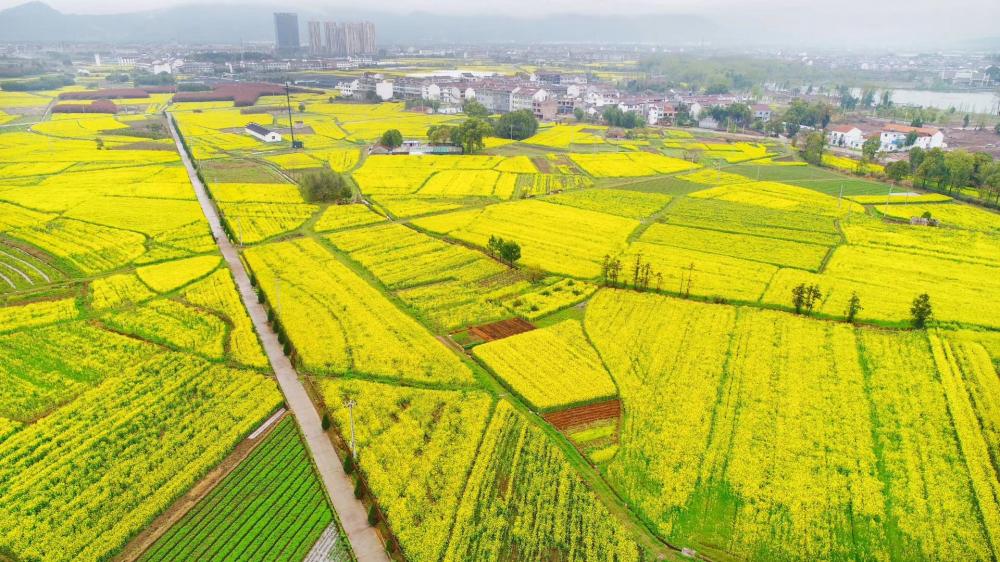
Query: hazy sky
x,y
888,20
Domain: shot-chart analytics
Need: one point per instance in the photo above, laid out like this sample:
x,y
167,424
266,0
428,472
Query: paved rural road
x,y
365,543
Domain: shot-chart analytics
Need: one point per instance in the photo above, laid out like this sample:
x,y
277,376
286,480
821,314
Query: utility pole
x,y
350,404
288,105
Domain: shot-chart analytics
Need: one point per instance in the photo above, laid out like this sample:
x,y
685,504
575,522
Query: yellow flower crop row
x,y
403,206
175,324
165,277
716,214
83,480
948,214
295,161
255,222
851,165
629,164
556,238
780,196
256,192
887,281
743,246
415,448
631,204
450,284
336,217
523,496
117,290
900,198
552,368
218,293
713,177
701,273
562,136
338,323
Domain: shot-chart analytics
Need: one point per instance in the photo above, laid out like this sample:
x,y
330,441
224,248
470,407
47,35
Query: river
x,y
963,102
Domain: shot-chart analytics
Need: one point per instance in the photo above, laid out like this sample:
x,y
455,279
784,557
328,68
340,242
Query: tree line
x,y
806,297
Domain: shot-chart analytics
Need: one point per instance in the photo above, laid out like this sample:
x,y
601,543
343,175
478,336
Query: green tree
x,y
965,121
510,252
921,312
326,187
853,307
516,125
916,158
473,108
812,149
800,294
961,165
494,246
302,107
897,170
869,150
471,135
440,134
932,168
579,113
391,139
911,138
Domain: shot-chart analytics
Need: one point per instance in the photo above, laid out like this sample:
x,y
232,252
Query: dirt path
x,y
364,541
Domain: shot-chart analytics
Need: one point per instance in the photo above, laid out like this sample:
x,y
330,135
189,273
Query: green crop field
x,y
271,507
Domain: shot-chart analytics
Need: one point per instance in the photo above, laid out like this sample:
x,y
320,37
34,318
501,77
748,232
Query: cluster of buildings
x,y
549,96
326,38
892,137
340,39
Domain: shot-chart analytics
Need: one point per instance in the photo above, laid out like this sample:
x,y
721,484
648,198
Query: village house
x,y
846,136
893,137
761,111
262,134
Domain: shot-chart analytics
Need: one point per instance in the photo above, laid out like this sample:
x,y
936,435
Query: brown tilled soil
x,y
501,329
583,415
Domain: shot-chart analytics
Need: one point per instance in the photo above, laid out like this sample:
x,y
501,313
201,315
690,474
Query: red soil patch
x,y
501,329
241,94
585,415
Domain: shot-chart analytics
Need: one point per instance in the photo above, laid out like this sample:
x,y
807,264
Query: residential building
x,y
525,98
384,89
316,38
761,111
286,32
893,137
545,109
262,134
846,136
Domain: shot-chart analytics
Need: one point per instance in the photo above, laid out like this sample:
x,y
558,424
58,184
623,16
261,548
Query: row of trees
x,y
515,125
806,297
326,187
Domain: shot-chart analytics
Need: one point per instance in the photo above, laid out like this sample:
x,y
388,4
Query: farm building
x,y
847,136
262,133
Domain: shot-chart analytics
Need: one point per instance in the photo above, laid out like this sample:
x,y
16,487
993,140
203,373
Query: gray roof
x,y
258,129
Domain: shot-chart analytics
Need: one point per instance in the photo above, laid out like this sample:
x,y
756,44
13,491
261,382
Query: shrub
x,y
326,186
359,489
373,515
349,464
325,422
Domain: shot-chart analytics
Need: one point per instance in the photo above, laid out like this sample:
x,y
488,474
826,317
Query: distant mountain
x,y
207,23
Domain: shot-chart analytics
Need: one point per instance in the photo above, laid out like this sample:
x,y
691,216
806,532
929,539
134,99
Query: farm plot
x,y
743,246
629,164
563,136
949,243
949,214
338,323
255,193
725,216
272,507
337,217
887,280
78,483
556,238
415,448
756,404
256,222
404,206
701,273
218,294
780,196
450,284
523,496
630,204
550,368
22,270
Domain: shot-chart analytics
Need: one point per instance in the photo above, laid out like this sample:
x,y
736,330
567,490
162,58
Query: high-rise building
x,y
342,39
315,38
286,32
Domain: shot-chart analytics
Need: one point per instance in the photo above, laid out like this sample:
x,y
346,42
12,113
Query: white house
x,y
847,136
384,90
761,111
348,87
893,137
262,134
